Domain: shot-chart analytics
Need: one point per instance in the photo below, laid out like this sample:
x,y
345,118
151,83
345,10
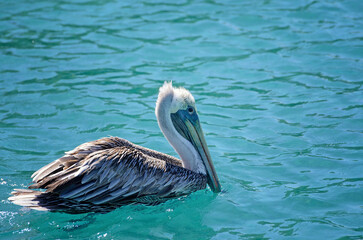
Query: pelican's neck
x,y
189,156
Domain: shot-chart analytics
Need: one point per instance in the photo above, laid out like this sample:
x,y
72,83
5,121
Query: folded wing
x,y
110,172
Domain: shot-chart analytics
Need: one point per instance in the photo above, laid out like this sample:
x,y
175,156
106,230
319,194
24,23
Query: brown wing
x,y
77,155
102,172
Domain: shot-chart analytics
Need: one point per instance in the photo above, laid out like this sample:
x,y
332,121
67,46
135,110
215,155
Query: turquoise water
x,y
278,86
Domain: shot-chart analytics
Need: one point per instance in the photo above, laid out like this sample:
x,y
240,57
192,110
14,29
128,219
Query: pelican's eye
x,y
190,110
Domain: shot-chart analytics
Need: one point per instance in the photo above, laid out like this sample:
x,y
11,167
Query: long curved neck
x,y
189,156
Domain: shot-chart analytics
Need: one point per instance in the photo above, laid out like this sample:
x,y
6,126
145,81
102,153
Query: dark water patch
x,y
23,152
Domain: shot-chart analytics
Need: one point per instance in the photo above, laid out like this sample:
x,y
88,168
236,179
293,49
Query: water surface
x,y
278,86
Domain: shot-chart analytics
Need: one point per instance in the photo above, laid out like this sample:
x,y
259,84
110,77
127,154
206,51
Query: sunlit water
x,y
278,86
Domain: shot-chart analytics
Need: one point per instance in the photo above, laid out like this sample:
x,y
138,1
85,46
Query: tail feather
x,y
44,201
28,198
48,201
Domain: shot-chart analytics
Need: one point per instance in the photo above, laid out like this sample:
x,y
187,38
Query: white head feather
x,y
182,98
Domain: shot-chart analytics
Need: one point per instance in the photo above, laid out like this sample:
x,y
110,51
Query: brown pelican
x,y
102,175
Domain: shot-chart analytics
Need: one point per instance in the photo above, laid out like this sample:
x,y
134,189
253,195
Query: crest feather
x,y
181,98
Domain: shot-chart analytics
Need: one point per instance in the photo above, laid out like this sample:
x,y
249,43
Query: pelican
x,y
102,175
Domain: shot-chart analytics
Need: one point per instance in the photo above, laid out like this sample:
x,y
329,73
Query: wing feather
x,y
114,171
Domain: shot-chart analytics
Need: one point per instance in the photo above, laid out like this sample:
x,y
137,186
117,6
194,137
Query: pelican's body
x,y
104,174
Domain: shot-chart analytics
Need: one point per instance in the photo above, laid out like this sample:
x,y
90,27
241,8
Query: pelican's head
x,y
178,119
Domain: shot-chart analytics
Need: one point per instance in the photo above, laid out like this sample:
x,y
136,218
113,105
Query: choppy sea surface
x,y
278,86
